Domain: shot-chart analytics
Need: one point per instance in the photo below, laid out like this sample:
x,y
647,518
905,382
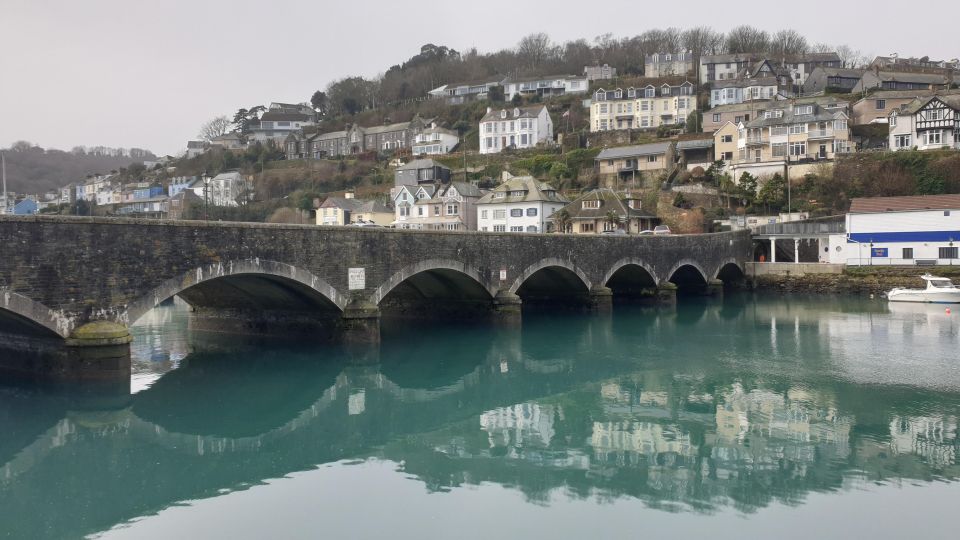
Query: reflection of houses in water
x,y
523,424
932,438
759,429
632,442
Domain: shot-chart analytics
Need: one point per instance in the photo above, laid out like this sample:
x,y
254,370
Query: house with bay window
x,y
790,134
521,204
927,123
603,210
519,127
642,108
739,90
435,141
437,207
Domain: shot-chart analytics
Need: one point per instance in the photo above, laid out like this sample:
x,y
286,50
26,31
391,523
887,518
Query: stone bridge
x,y
83,281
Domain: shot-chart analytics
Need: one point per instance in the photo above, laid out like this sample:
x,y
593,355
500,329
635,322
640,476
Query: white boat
x,y
939,291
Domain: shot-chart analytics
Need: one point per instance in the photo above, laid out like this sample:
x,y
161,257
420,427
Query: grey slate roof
x,y
632,151
742,83
533,191
525,112
695,143
421,164
819,114
609,202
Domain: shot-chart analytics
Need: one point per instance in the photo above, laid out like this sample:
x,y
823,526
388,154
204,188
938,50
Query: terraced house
x,y
355,140
790,134
647,107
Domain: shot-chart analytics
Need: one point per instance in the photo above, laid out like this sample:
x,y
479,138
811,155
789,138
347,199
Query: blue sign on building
x,y
879,252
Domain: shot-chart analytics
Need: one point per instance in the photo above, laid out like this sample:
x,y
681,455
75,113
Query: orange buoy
x,y
948,311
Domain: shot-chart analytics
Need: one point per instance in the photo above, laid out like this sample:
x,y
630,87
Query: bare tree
x,y
699,41
747,39
215,127
821,48
786,43
534,49
851,58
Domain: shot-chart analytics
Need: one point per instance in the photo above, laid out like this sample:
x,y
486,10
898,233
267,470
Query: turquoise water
x,y
777,417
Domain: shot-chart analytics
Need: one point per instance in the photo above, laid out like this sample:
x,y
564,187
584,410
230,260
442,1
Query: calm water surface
x,y
783,418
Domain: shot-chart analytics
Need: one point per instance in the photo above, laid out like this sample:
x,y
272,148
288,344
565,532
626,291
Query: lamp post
x,y
206,187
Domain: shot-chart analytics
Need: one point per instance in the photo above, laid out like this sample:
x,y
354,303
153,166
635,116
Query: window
x,y
882,104
453,209
728,156
893,120
798,149
516,229
803,109
946,213
901,141
779,149
652,159
586,227
726,138
531,228
516,212
933,137
716,117
798,128
603,108
499,228
935,114
483,214
499,214
531,212
644,105
404,210
591,204
436,209
907,253
948,252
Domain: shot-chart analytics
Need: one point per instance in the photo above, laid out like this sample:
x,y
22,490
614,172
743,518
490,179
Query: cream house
x,y
642,108
725,143
790,134
629,162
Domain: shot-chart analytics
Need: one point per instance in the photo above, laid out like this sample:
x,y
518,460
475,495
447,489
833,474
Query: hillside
x,y
34,170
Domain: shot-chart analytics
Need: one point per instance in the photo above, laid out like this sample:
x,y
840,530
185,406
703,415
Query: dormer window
x,y
631,92
803,109
665,90
591,204
503,114
634,203
618,94
649,92
516,112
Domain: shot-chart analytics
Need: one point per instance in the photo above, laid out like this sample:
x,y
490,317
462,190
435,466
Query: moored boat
x,y
939,291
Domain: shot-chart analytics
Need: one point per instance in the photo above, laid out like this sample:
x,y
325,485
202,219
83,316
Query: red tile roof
x,y
872,205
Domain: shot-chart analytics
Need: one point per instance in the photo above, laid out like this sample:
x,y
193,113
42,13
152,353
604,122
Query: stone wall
x,y
62,272
855,281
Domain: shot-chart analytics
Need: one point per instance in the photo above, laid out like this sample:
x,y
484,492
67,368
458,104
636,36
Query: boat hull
x,y
925,297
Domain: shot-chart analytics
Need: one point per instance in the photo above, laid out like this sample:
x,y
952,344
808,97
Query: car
x,y
661,229
615,231
645,231
364,224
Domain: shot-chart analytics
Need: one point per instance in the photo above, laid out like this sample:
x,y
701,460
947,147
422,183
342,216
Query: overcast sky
x,y
148,73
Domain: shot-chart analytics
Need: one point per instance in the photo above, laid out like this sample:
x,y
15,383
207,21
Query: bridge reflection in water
x,y
767,404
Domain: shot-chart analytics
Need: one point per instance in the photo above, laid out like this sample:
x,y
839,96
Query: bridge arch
x,y
630,273
24,315
437,277
549,278
687,274
730,271
250,281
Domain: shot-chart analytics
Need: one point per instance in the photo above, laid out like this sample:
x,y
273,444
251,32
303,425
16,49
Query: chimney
x,y
488,110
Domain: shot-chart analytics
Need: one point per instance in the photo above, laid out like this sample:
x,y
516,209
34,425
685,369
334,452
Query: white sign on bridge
x,y
356,279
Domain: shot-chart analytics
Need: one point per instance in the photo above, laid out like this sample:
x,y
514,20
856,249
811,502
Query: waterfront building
x,y
438,207
919,230
521,204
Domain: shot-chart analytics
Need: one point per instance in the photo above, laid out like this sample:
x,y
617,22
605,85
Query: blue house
x,y
26,207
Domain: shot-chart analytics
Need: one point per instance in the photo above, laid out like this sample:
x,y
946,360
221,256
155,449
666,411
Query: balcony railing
x,y
757,139
820,134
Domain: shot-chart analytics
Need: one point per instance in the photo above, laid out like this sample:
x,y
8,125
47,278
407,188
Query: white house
x,y
435,140
404,199
276,125
521,204
520,127
226,189
548,85
732,91
900,231
926,123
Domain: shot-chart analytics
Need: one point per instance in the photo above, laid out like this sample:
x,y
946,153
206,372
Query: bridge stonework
x,y
60,274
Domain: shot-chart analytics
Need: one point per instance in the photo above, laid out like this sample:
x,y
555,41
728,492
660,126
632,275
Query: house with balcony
x,y
459,93
695,150
435,141
648,107
276,125
520,204
545,86
519,127
448,207
668,64
631,162
926,124
790,134
421,171
603,210
732,91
